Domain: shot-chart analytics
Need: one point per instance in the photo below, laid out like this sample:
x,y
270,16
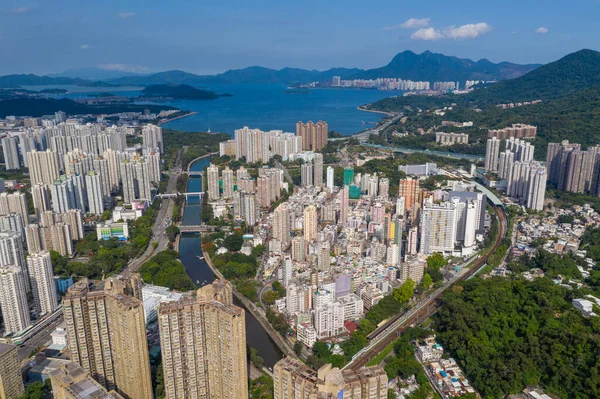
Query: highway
x,y
163,218
425,309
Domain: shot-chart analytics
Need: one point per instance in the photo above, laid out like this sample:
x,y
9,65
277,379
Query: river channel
x,y
200,273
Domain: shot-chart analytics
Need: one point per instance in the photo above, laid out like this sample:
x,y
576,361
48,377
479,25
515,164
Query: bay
x,y
263,106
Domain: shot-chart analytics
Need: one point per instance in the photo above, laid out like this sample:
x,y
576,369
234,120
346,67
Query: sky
x,y
51,36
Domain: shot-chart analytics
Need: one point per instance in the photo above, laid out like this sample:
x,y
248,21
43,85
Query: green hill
x,y
574,72
46,106
432,67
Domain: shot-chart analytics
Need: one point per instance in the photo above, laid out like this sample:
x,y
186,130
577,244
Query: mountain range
x,y
406,65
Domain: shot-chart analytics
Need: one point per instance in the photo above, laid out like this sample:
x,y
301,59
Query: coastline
x,y
177,117
360,108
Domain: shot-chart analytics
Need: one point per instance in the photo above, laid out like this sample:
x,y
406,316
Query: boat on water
x,y
200,257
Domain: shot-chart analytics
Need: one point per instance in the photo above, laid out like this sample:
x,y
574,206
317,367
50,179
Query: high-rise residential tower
x,y
492,151
318,169
93,184
11,382
43,166
13,299
203,345
310,223
152,137
106,334
314,135
41,279
330,178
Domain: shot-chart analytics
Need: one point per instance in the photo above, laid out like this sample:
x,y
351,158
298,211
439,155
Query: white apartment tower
x,y
227,183
330,178
42,282
492,151
212,173
13,299
438,227
94,193
152,137
43,166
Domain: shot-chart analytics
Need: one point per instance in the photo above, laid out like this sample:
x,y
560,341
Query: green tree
x,y
298,346
270,297
233,242
436,261
321,349
405,291
427,281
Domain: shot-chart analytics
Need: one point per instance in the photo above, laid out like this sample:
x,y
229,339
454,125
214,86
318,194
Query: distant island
x,y
53,91
179,92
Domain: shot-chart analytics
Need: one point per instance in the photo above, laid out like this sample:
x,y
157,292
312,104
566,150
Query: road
x,y
39,340
426,308
364,136
159,235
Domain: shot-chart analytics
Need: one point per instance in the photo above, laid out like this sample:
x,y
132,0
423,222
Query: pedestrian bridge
x,y
195,173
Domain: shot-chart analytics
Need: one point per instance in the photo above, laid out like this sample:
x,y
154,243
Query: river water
x,y
200,273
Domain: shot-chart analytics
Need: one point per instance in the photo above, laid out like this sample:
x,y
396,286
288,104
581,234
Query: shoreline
x,y
360,108
177,117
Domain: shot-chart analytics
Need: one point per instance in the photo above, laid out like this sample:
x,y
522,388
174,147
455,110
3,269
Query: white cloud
x,y
413,23
469,31
427,34
20,10
541,30
122,67
84,46
125,14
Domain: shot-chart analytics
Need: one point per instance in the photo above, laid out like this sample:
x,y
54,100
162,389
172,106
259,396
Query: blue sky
x,y
49,36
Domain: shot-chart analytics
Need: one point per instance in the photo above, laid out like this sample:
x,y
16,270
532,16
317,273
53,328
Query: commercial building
x,y
203,345
106,333
11,382
427,169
